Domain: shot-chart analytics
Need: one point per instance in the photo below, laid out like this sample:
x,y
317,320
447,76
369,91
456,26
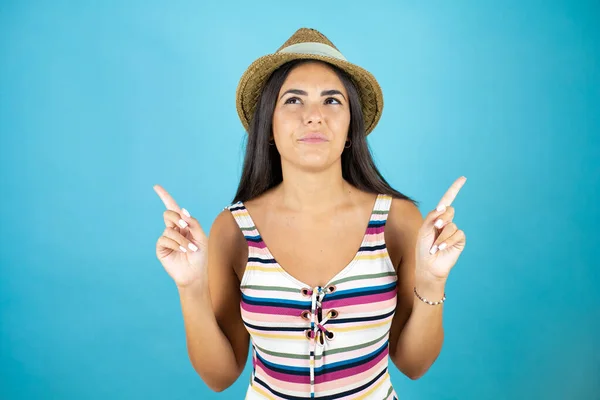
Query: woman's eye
x,y
292,100
296,100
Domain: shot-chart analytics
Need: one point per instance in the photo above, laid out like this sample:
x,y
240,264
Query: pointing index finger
x,y
450,195
166,198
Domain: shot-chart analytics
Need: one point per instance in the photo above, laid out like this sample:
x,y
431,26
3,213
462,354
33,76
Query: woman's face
x,y
312,117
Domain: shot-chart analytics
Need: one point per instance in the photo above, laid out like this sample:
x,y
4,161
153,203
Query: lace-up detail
x,y
317,334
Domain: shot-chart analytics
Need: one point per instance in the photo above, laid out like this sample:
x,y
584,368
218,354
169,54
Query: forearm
x,y
420,341
209,350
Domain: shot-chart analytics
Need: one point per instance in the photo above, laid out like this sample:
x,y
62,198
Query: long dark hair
x,y
262,163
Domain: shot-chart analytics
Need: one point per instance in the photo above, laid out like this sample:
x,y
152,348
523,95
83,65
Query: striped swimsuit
x,y
327,342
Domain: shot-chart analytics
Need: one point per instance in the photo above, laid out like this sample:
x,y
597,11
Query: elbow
x,y
216,387
414,375
412,372
216,381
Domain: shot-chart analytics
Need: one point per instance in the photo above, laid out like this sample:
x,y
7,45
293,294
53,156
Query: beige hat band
x,y
320,49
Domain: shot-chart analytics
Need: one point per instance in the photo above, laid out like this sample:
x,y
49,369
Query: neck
x,y
303,190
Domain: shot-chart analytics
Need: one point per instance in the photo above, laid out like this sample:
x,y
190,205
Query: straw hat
x,y
310,44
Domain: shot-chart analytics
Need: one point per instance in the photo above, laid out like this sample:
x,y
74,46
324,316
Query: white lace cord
x,y
313,346
318,332
319,329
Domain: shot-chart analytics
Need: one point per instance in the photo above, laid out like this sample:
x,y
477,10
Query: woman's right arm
x,y
217,340
204,272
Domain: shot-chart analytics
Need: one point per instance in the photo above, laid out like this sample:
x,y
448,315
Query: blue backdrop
x,y
101,100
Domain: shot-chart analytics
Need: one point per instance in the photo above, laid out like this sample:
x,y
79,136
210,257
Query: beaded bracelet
x,y
431,303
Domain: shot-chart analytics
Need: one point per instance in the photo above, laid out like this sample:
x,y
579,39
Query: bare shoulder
x,y
227,238
404,220
404,213
225,228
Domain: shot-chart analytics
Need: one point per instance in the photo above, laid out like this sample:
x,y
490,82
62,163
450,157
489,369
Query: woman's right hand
x,y
182,248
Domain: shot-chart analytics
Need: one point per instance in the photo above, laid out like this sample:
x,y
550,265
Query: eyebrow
x,y
330,92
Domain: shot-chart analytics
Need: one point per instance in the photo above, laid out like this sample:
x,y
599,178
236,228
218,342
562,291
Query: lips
x,y
314,137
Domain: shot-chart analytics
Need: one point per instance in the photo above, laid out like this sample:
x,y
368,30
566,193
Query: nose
x,y
313,115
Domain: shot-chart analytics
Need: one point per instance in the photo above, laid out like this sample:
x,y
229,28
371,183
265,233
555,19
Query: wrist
x,y
194,288
429,287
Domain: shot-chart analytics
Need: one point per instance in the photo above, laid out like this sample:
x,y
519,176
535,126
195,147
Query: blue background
x,y
101,100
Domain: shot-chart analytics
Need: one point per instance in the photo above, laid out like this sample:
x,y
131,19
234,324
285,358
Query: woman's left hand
x,y
439,244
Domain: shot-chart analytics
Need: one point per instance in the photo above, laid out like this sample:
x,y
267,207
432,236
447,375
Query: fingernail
x,y
192,247
434,249
441,208
183,249
438,224
442,246
185,212
183,223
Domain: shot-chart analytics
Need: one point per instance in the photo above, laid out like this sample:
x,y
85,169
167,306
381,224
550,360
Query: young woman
x,y
317,260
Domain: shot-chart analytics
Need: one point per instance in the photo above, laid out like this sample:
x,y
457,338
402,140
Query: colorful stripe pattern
x,y
326,342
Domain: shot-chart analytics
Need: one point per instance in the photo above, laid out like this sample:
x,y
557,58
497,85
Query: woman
x,y
332,295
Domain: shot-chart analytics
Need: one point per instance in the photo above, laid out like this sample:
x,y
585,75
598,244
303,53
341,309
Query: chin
x,y
313,163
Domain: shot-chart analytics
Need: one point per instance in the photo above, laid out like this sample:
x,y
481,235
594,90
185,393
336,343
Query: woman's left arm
x,y
417,334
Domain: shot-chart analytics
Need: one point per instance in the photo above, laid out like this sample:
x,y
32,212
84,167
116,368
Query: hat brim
x,y
255,77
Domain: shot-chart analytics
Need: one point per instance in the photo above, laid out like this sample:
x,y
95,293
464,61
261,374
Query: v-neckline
x,y
339,274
